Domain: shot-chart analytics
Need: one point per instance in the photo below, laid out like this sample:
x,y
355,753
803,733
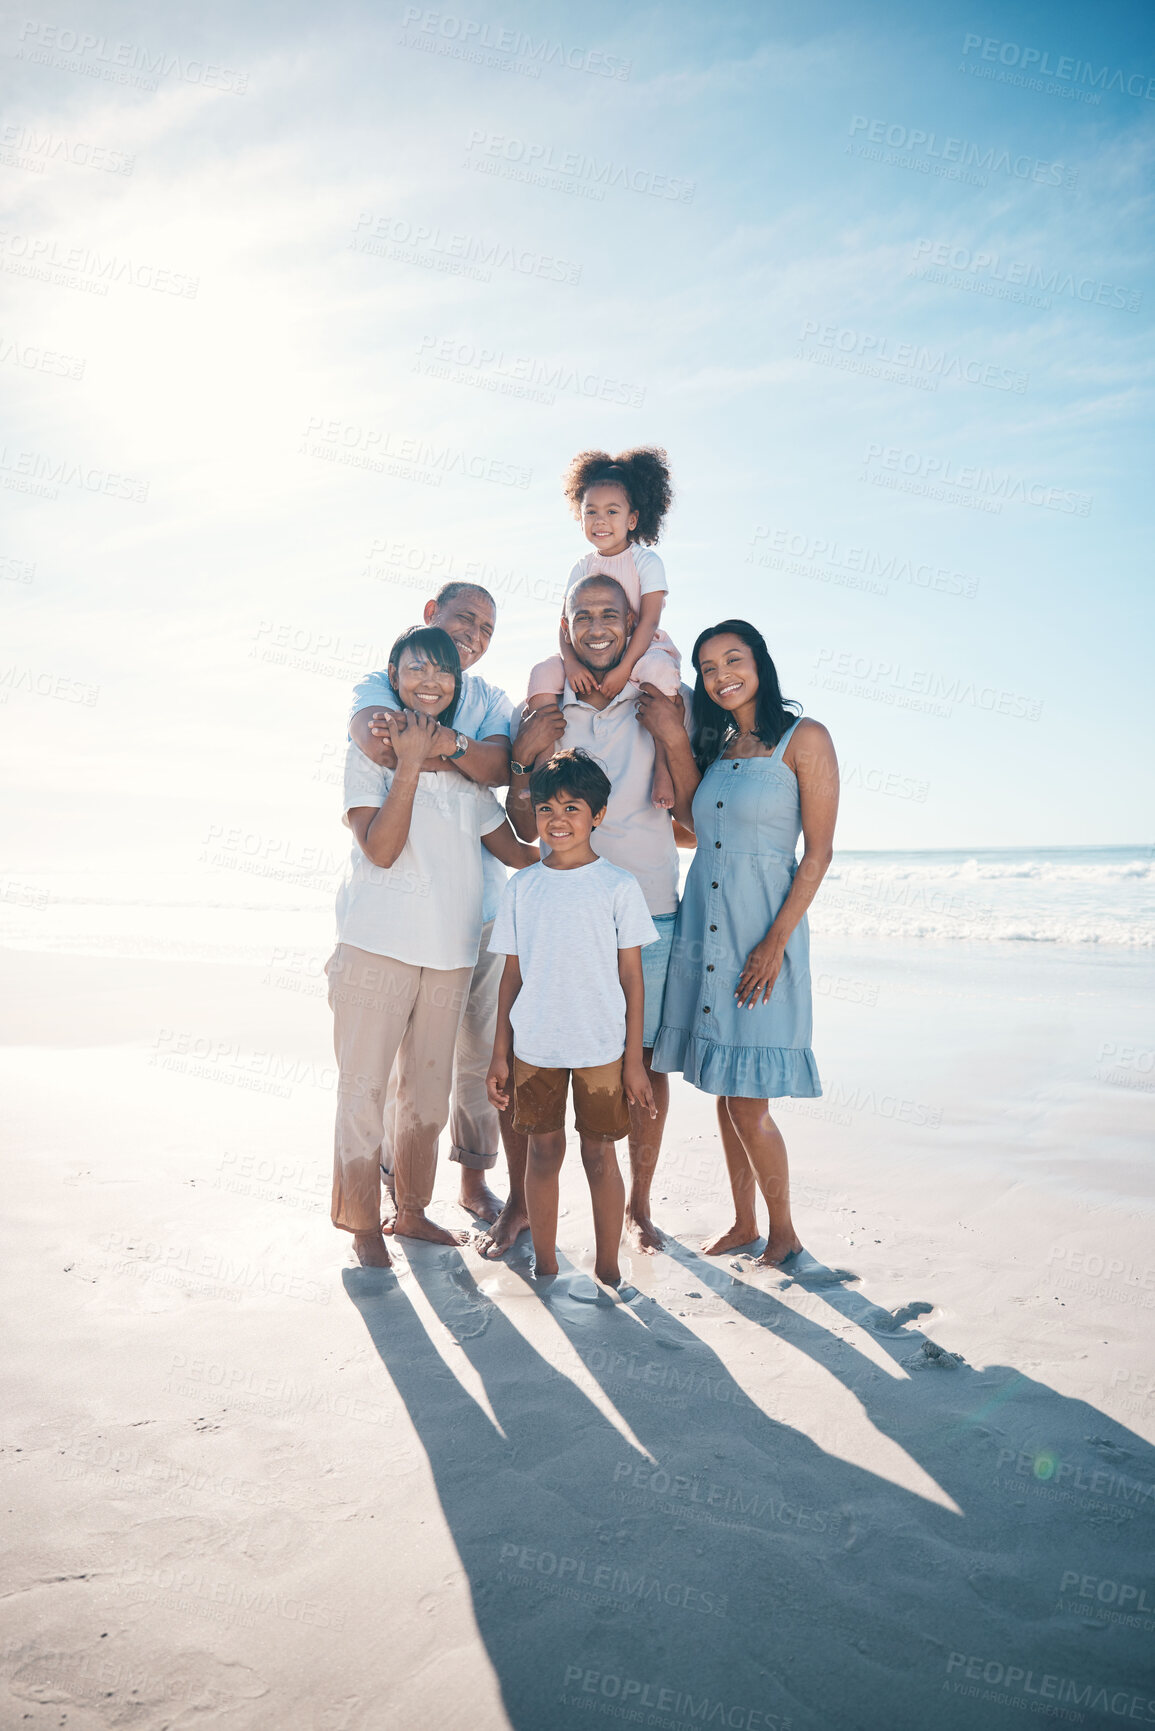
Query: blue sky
x,y
321,317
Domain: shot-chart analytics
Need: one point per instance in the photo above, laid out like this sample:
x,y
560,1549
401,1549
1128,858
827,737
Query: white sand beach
x,y
250,1485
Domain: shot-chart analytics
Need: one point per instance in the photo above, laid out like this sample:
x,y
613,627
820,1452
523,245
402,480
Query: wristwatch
x,y
462,742
520,768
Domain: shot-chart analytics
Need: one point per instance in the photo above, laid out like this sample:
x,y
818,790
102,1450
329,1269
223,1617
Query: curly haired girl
x,y
621,503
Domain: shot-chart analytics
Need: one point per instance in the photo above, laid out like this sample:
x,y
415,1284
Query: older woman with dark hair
x,y
737,1015
409,918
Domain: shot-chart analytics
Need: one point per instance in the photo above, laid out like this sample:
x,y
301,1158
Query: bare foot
x,y
476,1197
388,1202
737,1235
642,1233
507,1229
610,1275
412,1223
662,792
544,1268
369,1249
778,1251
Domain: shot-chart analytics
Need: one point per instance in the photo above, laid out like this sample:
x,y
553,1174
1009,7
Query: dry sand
x,y
251,1486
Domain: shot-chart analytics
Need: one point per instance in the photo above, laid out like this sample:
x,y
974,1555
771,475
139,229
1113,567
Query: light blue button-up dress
x,y
747,817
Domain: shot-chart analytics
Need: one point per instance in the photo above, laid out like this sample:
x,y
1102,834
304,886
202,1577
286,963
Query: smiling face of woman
x,y
730,676
421,684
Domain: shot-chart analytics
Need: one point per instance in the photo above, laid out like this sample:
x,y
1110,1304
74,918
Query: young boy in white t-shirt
x,y
571,1003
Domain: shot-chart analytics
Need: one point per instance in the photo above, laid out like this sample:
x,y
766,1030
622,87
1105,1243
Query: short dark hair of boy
x,y
574,772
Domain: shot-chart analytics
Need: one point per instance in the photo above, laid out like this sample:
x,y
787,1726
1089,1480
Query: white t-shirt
x,y
484,712
425,908
639,571
566,928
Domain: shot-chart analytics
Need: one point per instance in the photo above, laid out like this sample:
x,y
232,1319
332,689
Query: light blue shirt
x,y
484,712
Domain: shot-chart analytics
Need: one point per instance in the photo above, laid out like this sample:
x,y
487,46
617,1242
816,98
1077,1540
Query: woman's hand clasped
x,y
763,965
412,736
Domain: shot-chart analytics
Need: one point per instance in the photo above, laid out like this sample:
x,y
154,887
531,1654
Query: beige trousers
x,y
473,1126
376,1003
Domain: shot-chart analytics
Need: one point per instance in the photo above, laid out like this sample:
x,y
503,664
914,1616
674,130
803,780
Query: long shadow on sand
x,y
730,1572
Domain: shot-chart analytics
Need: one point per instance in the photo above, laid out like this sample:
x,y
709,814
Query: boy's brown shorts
x,y
599,1100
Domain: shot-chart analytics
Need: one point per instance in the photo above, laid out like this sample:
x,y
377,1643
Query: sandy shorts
x,y
599,1100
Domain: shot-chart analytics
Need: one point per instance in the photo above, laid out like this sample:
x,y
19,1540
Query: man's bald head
x,y
598,580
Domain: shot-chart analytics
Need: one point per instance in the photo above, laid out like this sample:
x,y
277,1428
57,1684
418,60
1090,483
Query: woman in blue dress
x,y
736,1019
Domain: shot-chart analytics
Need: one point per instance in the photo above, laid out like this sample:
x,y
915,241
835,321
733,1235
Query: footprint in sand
x,y
890,1321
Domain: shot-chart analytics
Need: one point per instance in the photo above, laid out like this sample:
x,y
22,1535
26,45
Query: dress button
x,y
713,928
705,1009
719,805
709,967
713,886
717,844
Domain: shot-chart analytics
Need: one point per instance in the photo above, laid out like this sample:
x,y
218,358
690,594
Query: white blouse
x,y
425,908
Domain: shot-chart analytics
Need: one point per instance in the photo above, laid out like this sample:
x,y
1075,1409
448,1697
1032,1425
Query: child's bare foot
x,y
642,1233
476,1197
608,1273
544,1268
507,1229
412,1223
778,1251
662,792
742,1232
369,1249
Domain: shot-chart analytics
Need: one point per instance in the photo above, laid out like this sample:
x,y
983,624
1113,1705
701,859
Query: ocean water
x,y
1065,896
233,908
